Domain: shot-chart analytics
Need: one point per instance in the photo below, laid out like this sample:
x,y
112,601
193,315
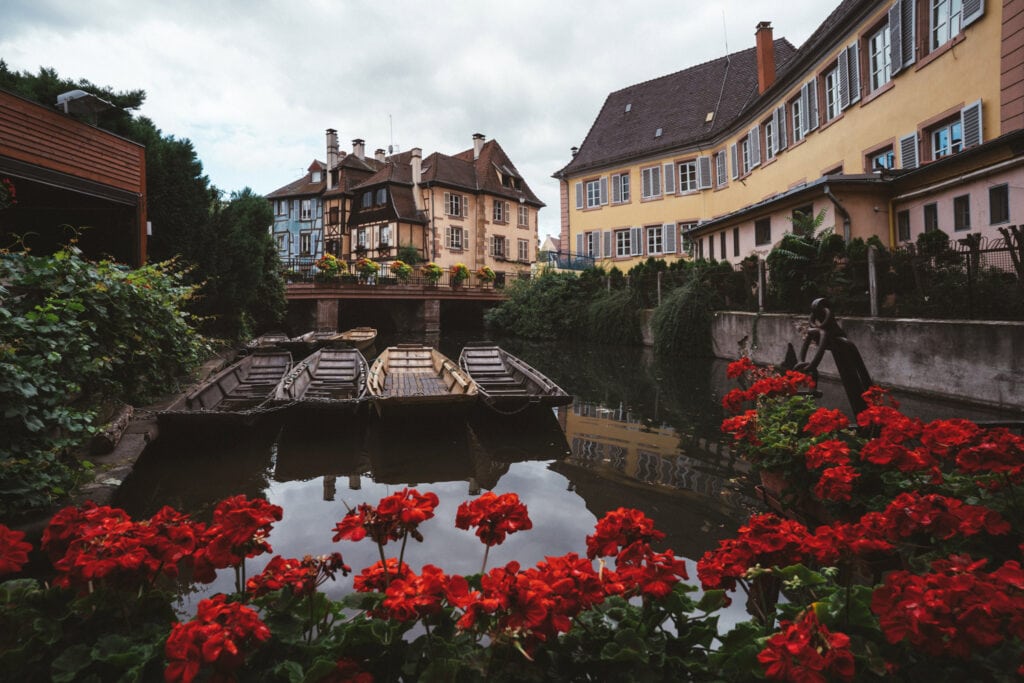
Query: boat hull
x,y
410,380
508,385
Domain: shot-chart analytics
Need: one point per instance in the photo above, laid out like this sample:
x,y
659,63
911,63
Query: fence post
x,y
659,287
873,279
760,285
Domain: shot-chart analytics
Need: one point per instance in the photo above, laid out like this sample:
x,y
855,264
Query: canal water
x,y
642,432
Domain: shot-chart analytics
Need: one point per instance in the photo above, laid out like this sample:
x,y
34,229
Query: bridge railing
x,y
303,269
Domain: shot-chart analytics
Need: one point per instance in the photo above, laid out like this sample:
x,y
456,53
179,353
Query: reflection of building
x,y
472,207
895,117
68,173
613,439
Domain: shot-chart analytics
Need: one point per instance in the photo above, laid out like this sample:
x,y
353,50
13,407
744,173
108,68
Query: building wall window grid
x,y
454,204
453,237
796,119
498,246
832,102
524,216
903,225
962,212
721,172
879,58
947,138
366,201
524,250
999,204
305,244
945,17
306,213
650,178
688,181
593,193
762,231
620,188
883,158
770,143
623,244
499,213
931,217
655,244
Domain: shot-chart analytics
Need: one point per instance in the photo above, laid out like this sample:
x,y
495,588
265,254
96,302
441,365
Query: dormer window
x,y
367,200
315,177
382,195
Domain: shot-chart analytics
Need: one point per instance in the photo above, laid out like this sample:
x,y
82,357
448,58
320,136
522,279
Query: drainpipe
x,y
892,224
842,211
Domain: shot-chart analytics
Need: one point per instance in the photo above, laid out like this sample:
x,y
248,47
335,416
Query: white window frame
x,y
592,192
952,144
455,204
688,177
721,169
524,216
650,182
686,245
497,240
796,115
770,143
453,237
306,211
833,106
945,21
623,243
591,241
523,249
655,240
620,188
879,58
889,154
305,243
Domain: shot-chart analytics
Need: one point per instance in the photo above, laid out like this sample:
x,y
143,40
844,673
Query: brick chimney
x,y
478,144
416,161
765,56
359,148
332,155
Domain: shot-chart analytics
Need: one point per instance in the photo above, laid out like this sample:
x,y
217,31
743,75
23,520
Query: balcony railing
x,y
565,260
303,269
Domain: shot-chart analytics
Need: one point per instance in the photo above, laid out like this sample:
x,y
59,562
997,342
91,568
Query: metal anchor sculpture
x,y
824,331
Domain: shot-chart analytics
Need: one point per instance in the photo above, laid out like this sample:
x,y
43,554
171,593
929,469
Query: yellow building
x,y
472,207
894,118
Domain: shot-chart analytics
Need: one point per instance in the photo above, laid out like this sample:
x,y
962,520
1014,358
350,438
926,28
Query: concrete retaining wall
x,y
974,361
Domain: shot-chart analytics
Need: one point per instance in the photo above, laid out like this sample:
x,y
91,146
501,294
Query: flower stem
x,y
483,567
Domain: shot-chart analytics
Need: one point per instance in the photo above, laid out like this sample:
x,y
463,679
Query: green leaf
x,y
70,663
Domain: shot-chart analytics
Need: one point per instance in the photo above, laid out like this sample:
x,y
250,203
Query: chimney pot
x,y
478,144
379,154
765,56
359,148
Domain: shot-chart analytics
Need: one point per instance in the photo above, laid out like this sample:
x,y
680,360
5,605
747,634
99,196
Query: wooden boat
x,y
361,338
267,339
240,394
330,379
304,344
507,384
412,379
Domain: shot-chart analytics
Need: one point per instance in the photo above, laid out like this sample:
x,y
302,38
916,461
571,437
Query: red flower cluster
x,y
13,550
100,543
770,384
494,516
825,421
955,610
743,427
767,540
218,636
412,597
940,517
624,533
806,651
394,517
239,530
301,576
372,579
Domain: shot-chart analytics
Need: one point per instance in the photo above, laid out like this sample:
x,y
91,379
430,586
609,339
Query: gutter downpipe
x,y
842,210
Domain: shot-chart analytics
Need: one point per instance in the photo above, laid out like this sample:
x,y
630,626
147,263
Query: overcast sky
x,y
254,84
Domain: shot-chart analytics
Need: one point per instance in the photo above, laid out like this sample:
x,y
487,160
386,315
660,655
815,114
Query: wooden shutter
x,y
895,39
668,238
853,61
603,188
809,108
734,160
908,151
448,236
607,252
972,11
843,69
722,176
464,203
616,189
636,241
908,26
754,146
670,178
703,172
579,195
970,120
579,244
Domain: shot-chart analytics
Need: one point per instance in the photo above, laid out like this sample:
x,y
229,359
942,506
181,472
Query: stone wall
x,y
978,362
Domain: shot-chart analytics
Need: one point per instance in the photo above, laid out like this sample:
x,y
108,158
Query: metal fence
x,y
303,269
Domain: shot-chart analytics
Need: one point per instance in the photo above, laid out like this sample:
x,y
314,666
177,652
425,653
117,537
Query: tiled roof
x,y
672,111
396,176
304,186
491,166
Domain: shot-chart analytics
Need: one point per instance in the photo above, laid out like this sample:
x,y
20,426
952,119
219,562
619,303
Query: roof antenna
x,y
712,115
725,34
392,148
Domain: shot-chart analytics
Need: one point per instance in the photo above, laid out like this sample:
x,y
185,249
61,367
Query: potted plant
x,y
432,272
459,274
329,269
367,269
486,275
401,270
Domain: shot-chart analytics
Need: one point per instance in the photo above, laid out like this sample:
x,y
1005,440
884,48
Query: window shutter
x,y
448,236
972,11
754,144
508,208
703,173
616,189
970,120
734,160
854,64
668,238
604,190
844,79
636,238
908,151
780,126
810,110
579,195
579,244
908,25
607,251
895,39
670,178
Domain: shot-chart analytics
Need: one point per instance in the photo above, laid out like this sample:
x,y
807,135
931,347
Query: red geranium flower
x,y
836,483
218,636
13,550
808,652
825,421
494,516
239,530
394,517
301,576
827,454
624,533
